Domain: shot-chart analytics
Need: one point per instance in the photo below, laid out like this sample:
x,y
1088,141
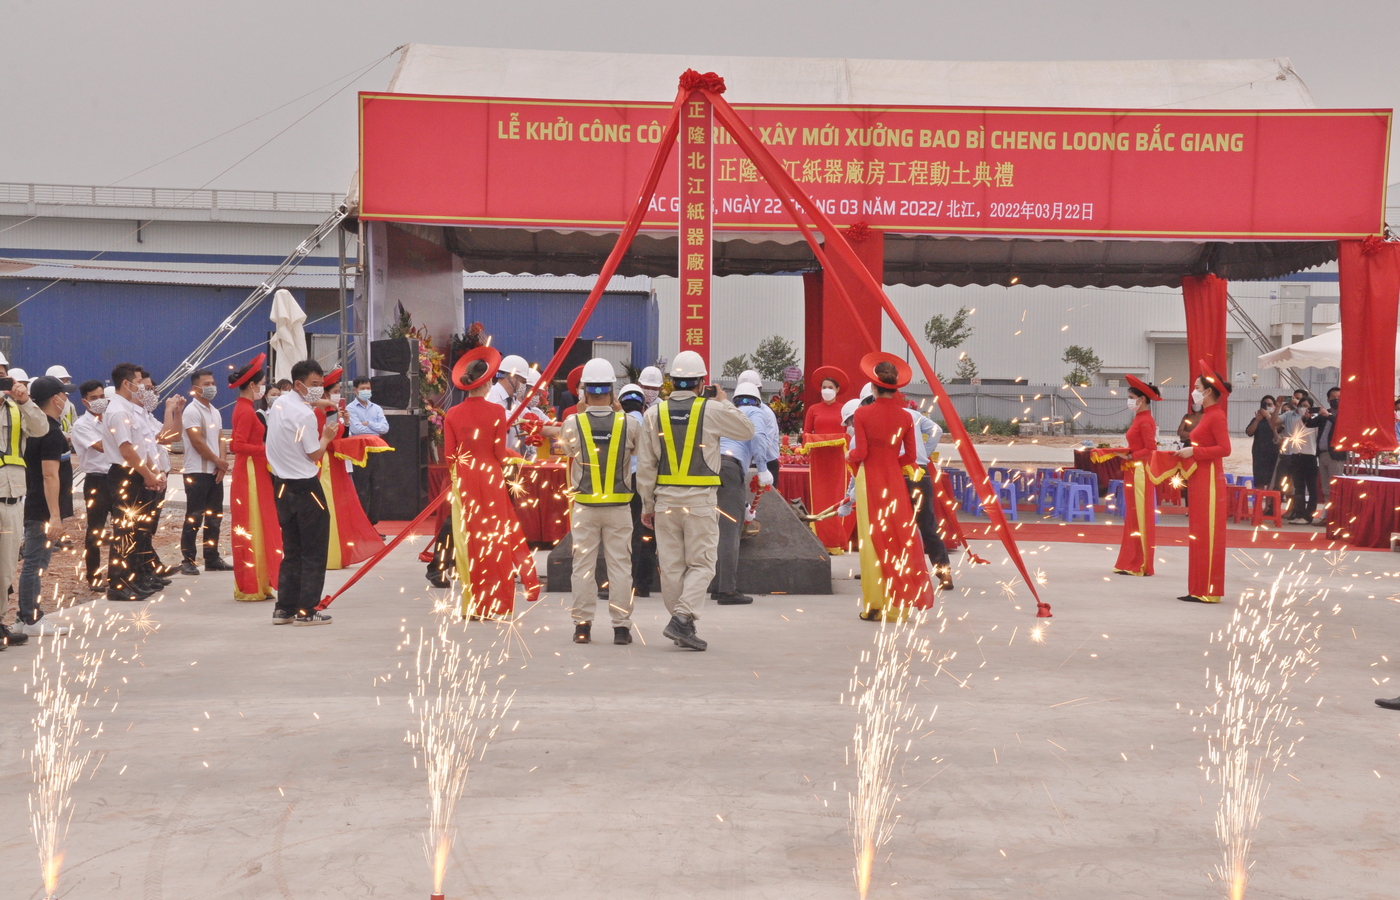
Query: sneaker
x,y
312,618
733,598
583,633
189,568
622,634
9,636
42,629
282,617
216,564
681,629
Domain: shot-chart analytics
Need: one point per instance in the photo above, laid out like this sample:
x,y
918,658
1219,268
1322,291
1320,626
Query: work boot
x,y
622,634
681,629
216,564
189,568
733,598
583,633
1389,704
945,577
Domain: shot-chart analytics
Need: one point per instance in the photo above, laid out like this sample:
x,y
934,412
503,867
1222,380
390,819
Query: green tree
x,y
734,365
1086,364
966,368
945,333
774,354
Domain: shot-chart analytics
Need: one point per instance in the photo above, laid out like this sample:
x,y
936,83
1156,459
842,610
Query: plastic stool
x,y
1229,478
971,503
1045,495
1236,507
1258,515
1245,480
1115,495
1006,493
1074,493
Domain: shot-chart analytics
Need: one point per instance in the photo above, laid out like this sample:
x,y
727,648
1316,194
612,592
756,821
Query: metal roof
x,y
620,284
309,279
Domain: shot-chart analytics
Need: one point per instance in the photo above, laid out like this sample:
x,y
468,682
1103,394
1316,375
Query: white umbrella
x,y
1322,351
289,340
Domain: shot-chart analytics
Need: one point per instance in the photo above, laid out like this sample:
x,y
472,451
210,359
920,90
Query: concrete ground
x,y
240,760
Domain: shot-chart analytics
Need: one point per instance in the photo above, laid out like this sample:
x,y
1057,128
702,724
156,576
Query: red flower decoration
x,y
858,233
692,80
1372,244
1366,450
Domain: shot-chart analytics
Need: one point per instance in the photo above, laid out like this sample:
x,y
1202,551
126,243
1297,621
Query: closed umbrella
x,y
289,338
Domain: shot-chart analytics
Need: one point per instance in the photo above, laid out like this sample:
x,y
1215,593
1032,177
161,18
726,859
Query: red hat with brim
x,y
572,381
1213,378
255,365
824,372
902,372
1148,391
491,355
333,377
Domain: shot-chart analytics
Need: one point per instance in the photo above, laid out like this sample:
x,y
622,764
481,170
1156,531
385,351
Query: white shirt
x,y
121,424
150,448
500,396
926,435
291,436
87,431
210,424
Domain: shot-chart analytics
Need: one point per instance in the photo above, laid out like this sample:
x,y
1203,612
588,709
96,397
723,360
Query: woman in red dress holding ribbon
x,y
824,442
353,539
1203,465
893,574
257,538
1135,557
489,547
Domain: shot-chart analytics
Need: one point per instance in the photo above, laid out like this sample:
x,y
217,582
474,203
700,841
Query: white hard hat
x,y
19,375
749,376
531,377
599,371
3,360
630,389
866,391
58,372
849,409
109,392
745,389
650,377
687,364
513,365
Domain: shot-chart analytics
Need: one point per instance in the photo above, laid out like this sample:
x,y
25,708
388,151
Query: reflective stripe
x,y
610,471
679,472
13,458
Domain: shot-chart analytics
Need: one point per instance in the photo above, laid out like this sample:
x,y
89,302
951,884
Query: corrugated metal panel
x,y
250,279
527,322
158,237
477,281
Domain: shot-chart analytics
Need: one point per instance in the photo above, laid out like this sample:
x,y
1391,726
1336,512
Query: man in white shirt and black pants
x,y
133,477
294,451
205,465
86,438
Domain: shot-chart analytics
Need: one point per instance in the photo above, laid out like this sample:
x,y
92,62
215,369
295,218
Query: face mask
x,y
99,406
520,391
148,399
1132,403
335,398
209,391
258,392
828,394
1198,397
314,393
364,395
1268,407
650,394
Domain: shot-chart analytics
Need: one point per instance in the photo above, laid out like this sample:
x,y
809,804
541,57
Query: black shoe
x,y
603,594
641,592
682,630
1192,598
147,588
438,580
162,571
1389,704
123,595
945,577
622,634
216,564
8,637
731,599
189,568
583,633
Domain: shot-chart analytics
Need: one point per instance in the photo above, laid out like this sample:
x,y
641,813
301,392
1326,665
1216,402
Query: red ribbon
x,y
858,233
692,80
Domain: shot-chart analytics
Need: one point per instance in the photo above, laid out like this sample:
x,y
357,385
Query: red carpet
x,y
1167,535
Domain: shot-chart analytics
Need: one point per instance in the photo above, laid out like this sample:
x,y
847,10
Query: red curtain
x,y
1370,288
1205,300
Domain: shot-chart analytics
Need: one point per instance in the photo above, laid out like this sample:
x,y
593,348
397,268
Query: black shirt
x,y
52,446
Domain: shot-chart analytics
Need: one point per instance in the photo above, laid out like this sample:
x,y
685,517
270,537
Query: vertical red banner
x,y
696,218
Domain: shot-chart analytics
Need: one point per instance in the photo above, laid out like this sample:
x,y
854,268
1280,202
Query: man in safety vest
x,y
20,420
678,464
601,441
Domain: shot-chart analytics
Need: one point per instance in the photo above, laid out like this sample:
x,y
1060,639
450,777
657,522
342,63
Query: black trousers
x,y
154,504
98,500
646,576
306,534
204,507
1301,471
921,495
130,538
364,478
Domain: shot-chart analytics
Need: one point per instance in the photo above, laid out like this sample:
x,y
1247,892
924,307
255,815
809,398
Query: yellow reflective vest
x,y
605,470
682,425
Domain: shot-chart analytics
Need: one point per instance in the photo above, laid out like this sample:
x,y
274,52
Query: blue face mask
x,y
364,395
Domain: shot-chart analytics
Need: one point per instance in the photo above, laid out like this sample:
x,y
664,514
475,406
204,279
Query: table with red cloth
x,y
541,504
1110,469
795,484
1364,511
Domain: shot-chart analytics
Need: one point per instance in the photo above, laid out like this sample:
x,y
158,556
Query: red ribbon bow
x,y
692,80
858,233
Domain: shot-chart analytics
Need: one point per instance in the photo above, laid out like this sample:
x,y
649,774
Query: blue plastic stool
x,y
971,503
1229,479
999,473
1115,496
1045,495
1073,510
1006,493
1245,480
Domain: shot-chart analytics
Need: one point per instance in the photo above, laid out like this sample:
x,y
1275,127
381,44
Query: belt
x,y
301,484
10,501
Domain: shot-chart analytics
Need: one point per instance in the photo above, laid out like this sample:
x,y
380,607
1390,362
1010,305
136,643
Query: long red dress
x,y
353,539
1206,504
1135,556
824,439
893,575
491,552
257,538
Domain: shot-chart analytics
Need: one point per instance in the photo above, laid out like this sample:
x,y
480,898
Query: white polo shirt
x,y
121,424
210,424
87,432
291,435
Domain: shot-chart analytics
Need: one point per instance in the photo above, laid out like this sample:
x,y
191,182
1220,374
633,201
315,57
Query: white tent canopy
x,y
1322,351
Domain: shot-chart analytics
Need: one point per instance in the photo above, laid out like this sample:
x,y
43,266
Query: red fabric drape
x,y
1205,300
1370,288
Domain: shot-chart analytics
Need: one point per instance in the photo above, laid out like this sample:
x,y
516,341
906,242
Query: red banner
x,y
1168,174
695,143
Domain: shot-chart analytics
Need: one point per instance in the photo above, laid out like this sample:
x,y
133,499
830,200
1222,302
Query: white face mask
x,y
650,394
314,393
147,397
259,391
828,394
1133,403
99,406
1198,396
209,391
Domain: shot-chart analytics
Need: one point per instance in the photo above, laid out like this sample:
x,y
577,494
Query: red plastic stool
x,y
1257,514
1236,507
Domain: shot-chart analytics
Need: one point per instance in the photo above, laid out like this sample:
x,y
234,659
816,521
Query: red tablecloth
x,y
1110,469
542,506
794,484
1364,511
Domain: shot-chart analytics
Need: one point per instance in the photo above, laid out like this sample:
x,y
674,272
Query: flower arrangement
x,y
788,406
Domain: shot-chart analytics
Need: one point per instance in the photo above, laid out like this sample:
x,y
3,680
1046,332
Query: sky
x,y
107,93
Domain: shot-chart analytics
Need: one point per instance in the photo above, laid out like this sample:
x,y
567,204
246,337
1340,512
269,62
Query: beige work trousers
x,y
687,544
11,536
608,528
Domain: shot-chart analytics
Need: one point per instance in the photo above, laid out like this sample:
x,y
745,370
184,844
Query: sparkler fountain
x,y
1271,646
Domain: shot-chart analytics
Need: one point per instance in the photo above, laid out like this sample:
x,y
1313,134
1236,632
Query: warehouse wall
x,y
527,322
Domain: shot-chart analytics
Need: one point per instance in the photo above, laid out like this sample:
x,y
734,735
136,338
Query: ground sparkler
x,y
455,699
1271,646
